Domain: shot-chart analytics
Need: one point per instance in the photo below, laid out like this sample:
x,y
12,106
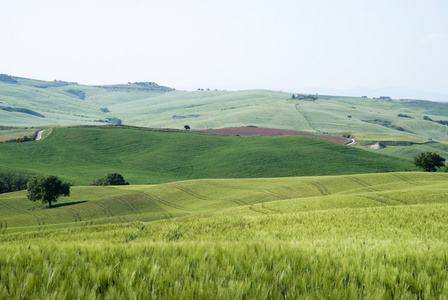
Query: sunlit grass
x,y
382,252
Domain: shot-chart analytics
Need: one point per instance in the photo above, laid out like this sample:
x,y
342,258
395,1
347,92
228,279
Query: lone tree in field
x,y
429,161
47,188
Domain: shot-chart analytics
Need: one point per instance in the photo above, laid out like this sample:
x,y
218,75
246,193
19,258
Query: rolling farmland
x,y
151,105
261,199
374,236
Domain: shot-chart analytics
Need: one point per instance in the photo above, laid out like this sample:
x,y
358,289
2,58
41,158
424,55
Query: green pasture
x,y
81,155
353,236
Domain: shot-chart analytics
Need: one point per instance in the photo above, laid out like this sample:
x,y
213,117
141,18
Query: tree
x,y
429,161
10,182
111,179
47,188
187,127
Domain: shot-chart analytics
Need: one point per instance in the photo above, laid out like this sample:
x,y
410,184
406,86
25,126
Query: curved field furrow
x,y
257,209
189,192
237,201
375,199
272,194
169,204
406,179
221,185
74,213
104,209
320,188
366,186
128,203
263,205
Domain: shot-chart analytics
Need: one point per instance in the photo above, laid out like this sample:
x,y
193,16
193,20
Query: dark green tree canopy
x,y
47,188
111,179
429,161
11,182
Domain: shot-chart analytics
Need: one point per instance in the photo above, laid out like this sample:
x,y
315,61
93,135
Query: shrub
x,y
110,179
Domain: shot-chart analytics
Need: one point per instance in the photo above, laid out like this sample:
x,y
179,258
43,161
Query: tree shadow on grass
x,y
66,204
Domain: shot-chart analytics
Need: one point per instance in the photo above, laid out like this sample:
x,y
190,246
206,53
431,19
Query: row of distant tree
x,y
304,97
207,89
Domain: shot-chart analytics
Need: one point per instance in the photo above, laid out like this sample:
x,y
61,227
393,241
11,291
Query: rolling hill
x,y
82,155
122,204
151,105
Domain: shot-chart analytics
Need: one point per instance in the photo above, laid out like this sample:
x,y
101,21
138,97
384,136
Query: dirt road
x,y
39,135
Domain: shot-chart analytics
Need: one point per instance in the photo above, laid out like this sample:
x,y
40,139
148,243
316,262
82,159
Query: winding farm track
x,y
39,135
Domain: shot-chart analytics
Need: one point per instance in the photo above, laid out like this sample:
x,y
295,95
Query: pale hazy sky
x,y
232,44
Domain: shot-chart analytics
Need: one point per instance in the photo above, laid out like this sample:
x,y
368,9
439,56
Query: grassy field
x,y
165,108
82,155
221,217
354,236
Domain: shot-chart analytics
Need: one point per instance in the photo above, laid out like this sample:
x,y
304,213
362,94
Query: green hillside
x,y
355,236
151,105
81,155
97,205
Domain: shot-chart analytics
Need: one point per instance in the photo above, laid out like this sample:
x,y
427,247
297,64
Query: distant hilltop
x,y
148,85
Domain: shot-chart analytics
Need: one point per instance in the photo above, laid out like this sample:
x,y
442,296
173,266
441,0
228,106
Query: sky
x,y
234,44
